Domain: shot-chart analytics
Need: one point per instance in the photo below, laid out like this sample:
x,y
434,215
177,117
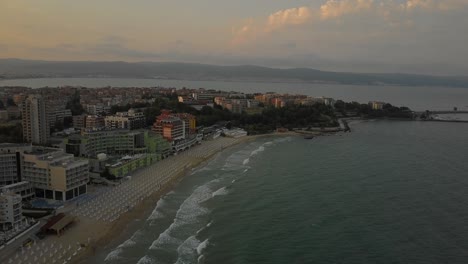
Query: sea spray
x,y
255,152
202,246
221,191
146,260
132,241
187,251
157,213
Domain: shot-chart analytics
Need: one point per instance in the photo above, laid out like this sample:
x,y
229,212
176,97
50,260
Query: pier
x,y
433,116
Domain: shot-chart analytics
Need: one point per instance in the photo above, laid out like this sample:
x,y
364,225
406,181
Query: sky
x,y
405,36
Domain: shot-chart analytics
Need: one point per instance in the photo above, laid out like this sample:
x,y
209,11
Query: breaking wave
x,y
188,212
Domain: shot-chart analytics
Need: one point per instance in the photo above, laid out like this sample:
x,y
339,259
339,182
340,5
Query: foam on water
x,y
246,161
188,212
202,246
165,238
115,254
221,191
187,251
146,260
281,140
157,213
255,152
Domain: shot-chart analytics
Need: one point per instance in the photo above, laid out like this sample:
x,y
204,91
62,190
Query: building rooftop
x,y
14,145
43,151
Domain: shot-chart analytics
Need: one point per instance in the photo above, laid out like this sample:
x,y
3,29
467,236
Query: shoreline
x,y
113,233
93,234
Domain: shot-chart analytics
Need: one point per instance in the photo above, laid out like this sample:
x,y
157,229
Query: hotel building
x,y
10,162
55,174
35,120
126,120
10,210
169,126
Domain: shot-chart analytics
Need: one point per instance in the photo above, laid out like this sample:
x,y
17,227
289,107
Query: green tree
x,y
74,104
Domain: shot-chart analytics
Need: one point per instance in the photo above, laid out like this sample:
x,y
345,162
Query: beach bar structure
x,y
58,223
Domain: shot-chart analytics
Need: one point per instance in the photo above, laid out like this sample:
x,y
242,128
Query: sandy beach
x,y
101,219
96,234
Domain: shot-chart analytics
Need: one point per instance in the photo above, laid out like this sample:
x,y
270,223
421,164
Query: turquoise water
x,y
417,98
390,192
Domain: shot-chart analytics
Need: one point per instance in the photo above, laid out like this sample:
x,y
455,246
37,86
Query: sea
x,y
417,98
389,192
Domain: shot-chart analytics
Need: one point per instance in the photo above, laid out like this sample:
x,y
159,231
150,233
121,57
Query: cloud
x,y
433,5
244,33
392,12
337,8
287,17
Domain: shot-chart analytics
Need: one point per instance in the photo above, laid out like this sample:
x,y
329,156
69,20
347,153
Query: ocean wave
x,y
146,260
165,238
187,251
132,241
255,152
246,161
114,255
157,214
282,140
202,246
220,191
187,213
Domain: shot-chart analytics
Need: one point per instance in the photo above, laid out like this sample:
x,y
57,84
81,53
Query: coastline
x,y
91,234
112,233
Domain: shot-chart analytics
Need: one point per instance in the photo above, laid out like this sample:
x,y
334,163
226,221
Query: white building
x,y
23,188
55,174
97,109
10,210
35,120
126,120
10,162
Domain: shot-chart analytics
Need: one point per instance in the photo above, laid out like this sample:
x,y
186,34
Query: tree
x,y
10,102
74,104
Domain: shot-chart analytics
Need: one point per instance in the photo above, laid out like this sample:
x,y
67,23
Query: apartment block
x,y
10,210
35,120
55,174
23,188
126,120
94,122
93,142
58,116
169,126
10,162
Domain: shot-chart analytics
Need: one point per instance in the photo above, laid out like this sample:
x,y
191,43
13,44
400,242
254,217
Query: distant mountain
x,y
15,68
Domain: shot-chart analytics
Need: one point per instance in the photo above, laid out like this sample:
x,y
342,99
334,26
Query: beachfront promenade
x,y
96,216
